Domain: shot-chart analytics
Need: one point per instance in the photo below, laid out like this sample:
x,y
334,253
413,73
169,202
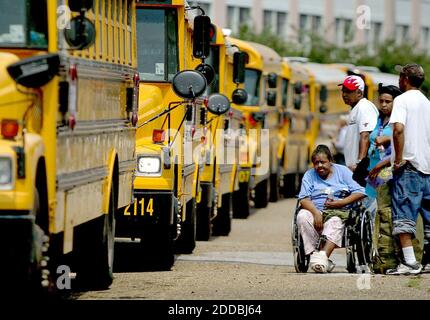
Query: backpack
x,y
388,250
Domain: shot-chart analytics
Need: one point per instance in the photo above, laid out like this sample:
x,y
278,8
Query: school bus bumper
x,y
150,208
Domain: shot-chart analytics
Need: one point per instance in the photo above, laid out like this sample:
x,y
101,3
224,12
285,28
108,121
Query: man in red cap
x,y
362,120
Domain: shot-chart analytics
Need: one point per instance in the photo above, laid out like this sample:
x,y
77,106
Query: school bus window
x,y
99,22
23,24
157,47
118,29
284,92
124,30
172,45
252,86
107,28
130,42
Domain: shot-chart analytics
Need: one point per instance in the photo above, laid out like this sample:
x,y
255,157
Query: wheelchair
x,y
357,240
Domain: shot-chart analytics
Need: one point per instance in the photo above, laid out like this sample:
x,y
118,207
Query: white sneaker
x,y
406,269
426,268
319,262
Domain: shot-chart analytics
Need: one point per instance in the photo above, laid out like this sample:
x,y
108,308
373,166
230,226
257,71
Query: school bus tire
x,y
186,242
204,213
262,194
290,185
157,249
222,222
96,255
274,186
241,209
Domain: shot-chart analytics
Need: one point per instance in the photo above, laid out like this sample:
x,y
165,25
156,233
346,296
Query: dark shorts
x,y
410,197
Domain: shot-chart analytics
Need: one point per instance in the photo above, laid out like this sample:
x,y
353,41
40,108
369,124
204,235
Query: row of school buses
x,y
143,120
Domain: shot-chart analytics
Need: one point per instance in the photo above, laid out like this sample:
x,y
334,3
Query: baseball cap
x,y
353,83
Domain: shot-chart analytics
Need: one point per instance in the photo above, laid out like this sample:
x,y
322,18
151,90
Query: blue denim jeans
x,y
410,196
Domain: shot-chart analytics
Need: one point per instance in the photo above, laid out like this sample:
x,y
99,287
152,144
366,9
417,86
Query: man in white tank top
x,y
362,120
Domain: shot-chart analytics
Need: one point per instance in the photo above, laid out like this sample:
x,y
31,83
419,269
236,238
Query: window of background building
x,y
377,27
405,32
244,16
267,20
281,23
338,31
348,30
425,37
303,26
230,17
316,25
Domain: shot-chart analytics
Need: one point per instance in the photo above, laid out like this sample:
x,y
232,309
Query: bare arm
x,y
383,140
399,142
339,204
307,204
381,165
364,144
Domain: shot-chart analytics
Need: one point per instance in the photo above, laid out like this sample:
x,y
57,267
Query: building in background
x,y
336,21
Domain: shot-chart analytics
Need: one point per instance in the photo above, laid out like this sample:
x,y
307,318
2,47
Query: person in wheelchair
x,y
325,197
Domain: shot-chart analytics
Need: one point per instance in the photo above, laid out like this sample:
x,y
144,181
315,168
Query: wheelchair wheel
x,y
350,252
364,247
301,261
350,260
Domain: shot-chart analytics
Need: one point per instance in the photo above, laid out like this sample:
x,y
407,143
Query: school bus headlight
x,y
149,165
6,175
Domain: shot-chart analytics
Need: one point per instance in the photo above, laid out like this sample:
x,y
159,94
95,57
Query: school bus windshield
x,y
23,24
157,44
252,86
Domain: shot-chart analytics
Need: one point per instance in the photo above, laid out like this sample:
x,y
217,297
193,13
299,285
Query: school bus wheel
x,y
96,244
262,194
241,208
222,222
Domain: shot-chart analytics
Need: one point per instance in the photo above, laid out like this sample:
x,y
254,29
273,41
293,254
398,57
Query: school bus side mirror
x,y
272,80
78,5
201,37
239,96
218,104
271,98
208,71
81,34
239,62
323,94
189,84
36,71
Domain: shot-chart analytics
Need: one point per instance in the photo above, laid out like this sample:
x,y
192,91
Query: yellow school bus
x,y
376,77
276,78
219,177
299,122
329,105
256,115
69,105
169,140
